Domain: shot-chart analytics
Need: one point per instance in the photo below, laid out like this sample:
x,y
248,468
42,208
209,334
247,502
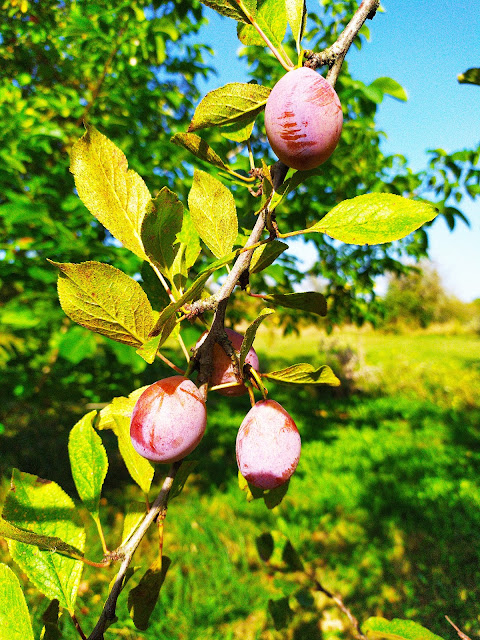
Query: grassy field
x,y
384,508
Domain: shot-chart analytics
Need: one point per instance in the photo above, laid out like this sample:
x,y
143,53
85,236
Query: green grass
x,y
384,507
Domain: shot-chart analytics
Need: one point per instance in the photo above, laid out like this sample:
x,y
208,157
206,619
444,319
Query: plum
x,y
268,445
303,119
223,371
168,420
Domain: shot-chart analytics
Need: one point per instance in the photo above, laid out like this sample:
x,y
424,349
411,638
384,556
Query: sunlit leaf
x,y
14,616
310,301
266,254
304,373
250,333
140,469
471,76
297,18
103,299
199,148
396,629
390,87
114,194
229,8
271,18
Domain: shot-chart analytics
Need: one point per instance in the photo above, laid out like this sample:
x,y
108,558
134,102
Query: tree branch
x,y
343,607
334,55
107,617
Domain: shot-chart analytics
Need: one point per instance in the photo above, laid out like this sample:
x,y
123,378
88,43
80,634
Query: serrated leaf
x,y
42,507
297,19
471,76
229,8
199,148
143,598
304,373
160,226
374,218
88,460
46,543
271,18
213,212
103,299
250,333
235,102
114,194
140,469
266,254
14,616
192,293
181,477
390,87
396,629
135,514
310,301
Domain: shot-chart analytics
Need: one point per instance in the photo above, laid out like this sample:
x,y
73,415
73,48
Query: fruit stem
x,y
169,363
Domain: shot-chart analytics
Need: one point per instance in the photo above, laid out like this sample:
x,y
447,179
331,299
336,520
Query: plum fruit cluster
x,y
303,119
169,419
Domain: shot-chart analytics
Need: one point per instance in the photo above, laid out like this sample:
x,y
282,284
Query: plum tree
x,y
168,420
303,119
268,445
223,369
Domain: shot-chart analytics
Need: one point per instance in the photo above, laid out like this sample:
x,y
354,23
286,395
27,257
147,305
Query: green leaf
x,y
297,19
272,20
189,249
14,617
232,103
192,293
249,336
199,148
239,131
140,469
280,612
181,477
105,300
119,406
42,507
88,460
143,598
46,543
160,226
229,8
213,212
396,629
148,351
114,194
264,255
135,513
274,497
471,76
390,87
304,373
374,218
310,301
77,344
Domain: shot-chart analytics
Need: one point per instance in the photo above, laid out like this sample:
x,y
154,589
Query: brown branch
x,y
334,55
343,607
107,617
462,635
102,77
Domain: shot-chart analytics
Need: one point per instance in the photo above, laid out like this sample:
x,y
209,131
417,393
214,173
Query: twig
x,y
462,635
107,617
334,55
343,607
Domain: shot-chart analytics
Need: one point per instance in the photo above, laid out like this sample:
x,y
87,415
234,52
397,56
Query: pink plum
x,y
223,371
303,119
268,445
168,420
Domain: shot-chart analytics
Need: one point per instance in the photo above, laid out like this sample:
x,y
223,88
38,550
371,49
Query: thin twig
x,y
334,55
462,635
107,617
343,607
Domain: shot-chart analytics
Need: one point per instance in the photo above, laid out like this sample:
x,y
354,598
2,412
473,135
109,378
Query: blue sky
x,y
424,46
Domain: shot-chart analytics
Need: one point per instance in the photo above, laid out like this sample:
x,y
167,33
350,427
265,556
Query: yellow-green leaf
x,y
135,513
199,148
374,218
213,212
250,335
114,194
264,255
272,20
88,460
232,103
14,617
396,629
304,373
140,469
297,18
119,406
105,300
42,507
229,8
